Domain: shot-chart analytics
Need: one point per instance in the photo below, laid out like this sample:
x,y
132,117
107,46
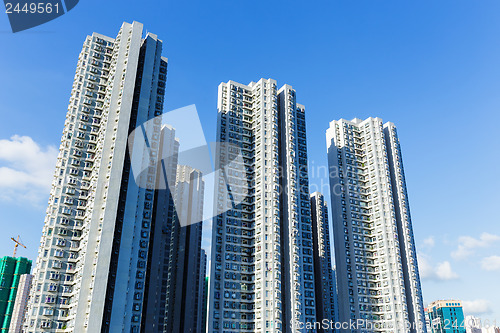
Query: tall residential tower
x,y
21,304
262,251
324,276
376,262
93,258
183,309
203,292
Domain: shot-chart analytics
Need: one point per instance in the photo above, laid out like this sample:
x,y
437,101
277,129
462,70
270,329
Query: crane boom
x,y
18,242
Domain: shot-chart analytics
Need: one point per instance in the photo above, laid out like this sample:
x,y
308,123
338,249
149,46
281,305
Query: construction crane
x,y
18,242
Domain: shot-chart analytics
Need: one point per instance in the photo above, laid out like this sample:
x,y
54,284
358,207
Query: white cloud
x,y
491,263
26,169
439,272
467,245
476,307
444,271
429,242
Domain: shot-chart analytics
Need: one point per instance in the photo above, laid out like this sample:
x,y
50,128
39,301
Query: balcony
x,y
73,171
91,148
80,215
73,257
48,312
68,200
66,290
98,48
54,276
63,232
57,264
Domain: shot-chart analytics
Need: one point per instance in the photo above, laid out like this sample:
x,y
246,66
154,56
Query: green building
x,y
446,317
11,270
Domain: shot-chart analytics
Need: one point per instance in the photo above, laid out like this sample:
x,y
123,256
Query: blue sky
x,y
431,67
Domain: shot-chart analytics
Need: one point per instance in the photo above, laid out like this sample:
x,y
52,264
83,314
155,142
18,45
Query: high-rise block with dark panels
x,y
93,265
324,275
262,274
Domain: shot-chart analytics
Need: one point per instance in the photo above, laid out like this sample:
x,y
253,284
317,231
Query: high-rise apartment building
x,y
202,327
261,275
93,259
446,317
21,304
183,308
376,263
472,324
177,261
162,226
427,320
490,329
324,279
11,271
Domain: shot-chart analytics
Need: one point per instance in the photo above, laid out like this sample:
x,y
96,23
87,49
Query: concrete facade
x,y
92,263
376,264
261,274
21,304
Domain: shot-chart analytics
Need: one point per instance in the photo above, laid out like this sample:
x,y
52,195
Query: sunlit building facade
x,y
376,262
93,258
261,275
